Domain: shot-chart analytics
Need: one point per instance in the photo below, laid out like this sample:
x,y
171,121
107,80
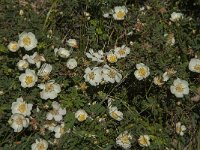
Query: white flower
x,y
179,88
22,65
176,16
50,90
112,58
144,140
71,63
62,52
81,115
28,79
180,128
142,71
59,130
194,65
27,40
158,80
34,59
170,39
123,140
115,114
40,144
93,76
165,76
110,74
13,46
57,113
21,107
122,51
120,12
98,56
72,43
45,70
18,121
50,126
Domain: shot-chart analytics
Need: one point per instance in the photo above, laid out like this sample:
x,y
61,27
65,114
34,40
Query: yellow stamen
x,y
125,139
81,117
91,76
197,67
179,88
41,146
112,58
27,41
142,71
114,115
22,108
120,14
29,80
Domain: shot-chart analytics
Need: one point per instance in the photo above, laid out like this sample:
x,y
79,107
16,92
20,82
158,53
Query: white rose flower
x,y
34,59
120,12
13,46
28,79
111,57
124,140
144,140
72,43
50,90
18,122
180,129
22,65
110,74
98,56
93,76
59,130
142,71
21,107
27,40
57,113
121,52
179,88
45,70
71,63
62,52
115,114
194,65
176,16
40,144
81,115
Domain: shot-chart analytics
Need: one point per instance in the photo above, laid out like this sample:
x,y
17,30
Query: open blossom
x,y
40,144
28,79
176,16
27,40
194,65
142,71
21,107
22,64
110,74
124,140
180,128
34,59
72,43
121,52
13,46
95,56
111,57
81,115
50,90
71,63
62,52
115,114
179,88
93,76
18,122
59,130
56,113
144,140
119,12
45,70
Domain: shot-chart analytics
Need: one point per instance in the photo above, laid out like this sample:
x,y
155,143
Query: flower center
x,y
112,73
19,121
197,67
143,141
178,129
22,108
91,76
82,117
14,46
112,58
27,41
125,139
40,146
120,14
142,72
114,115
121,52
49,87
28,80
55,112
179,88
